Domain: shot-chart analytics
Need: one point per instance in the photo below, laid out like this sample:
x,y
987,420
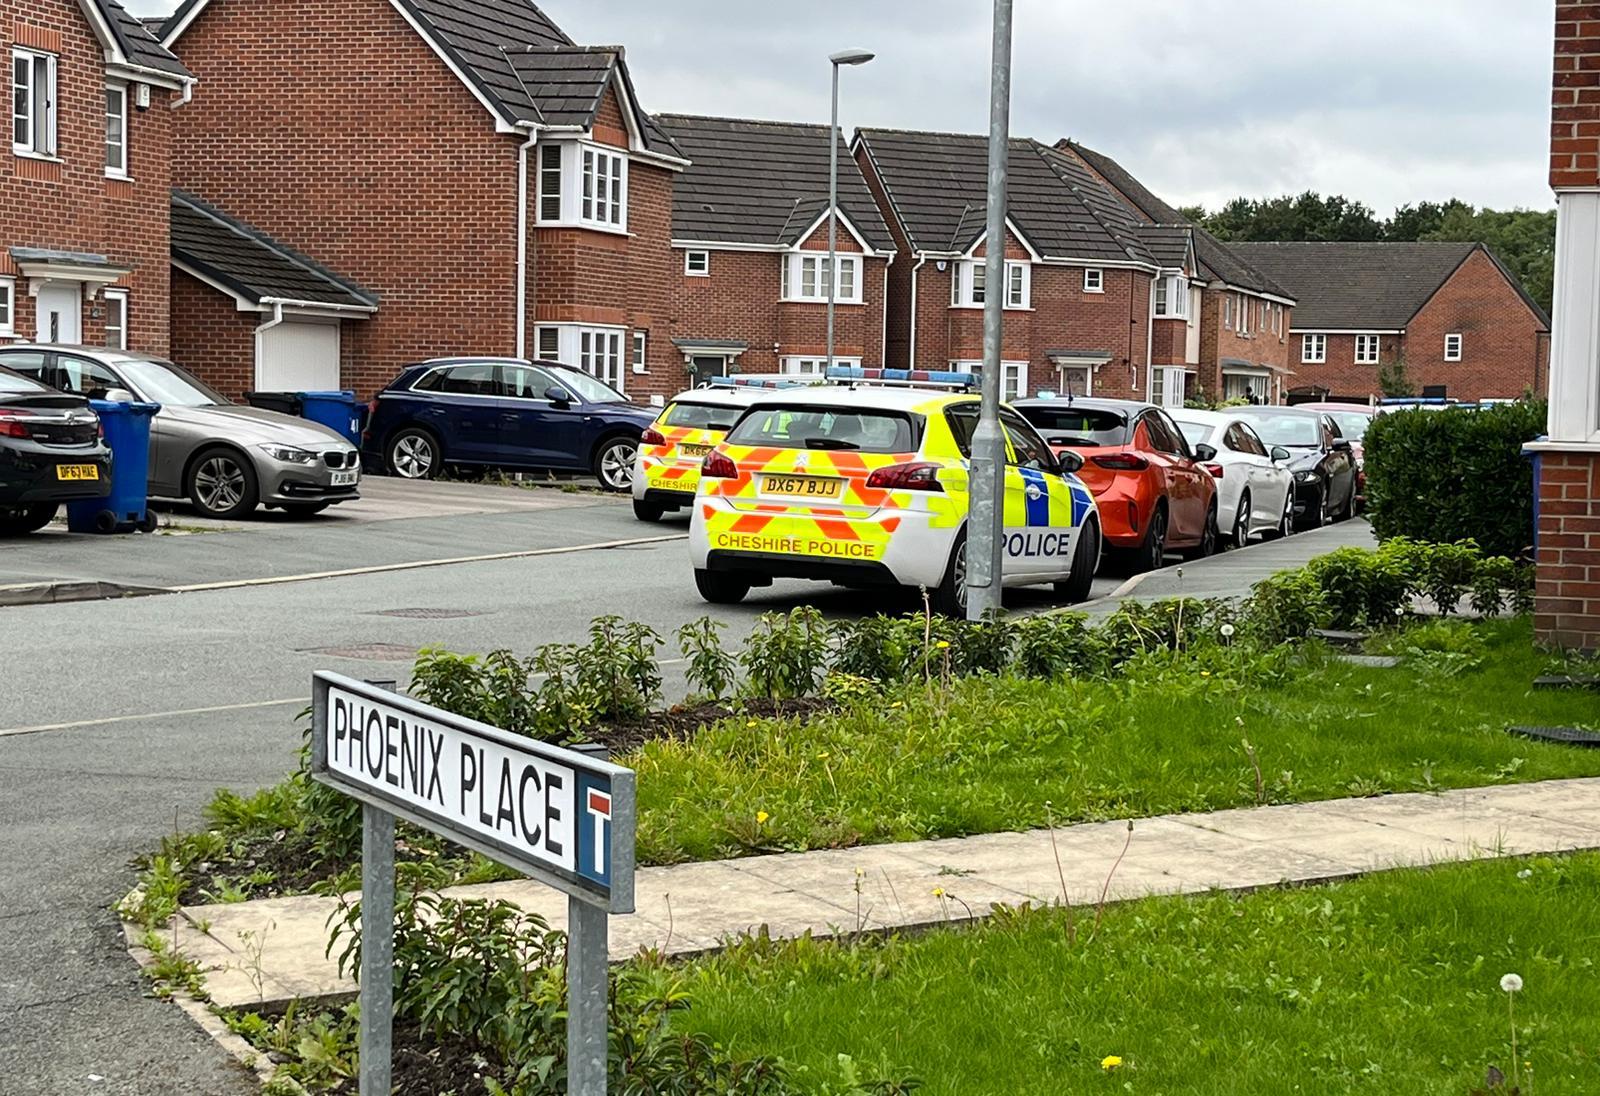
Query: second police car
x,y
667,470
865,483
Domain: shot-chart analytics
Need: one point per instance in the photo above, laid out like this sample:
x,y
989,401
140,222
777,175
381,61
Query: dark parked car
x,y
504,413
1320,457
50,453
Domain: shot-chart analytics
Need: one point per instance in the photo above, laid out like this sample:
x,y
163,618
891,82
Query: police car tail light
x,y
907,477
1121,462
652,436
719,466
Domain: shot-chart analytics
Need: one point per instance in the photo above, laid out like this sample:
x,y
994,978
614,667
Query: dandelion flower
x,y
1205,673
1511,983
1110,1062
761,818
1525,873
1227,631
752,723
938,892
943,645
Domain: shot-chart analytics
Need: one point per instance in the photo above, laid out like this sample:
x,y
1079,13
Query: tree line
x,y
1524,239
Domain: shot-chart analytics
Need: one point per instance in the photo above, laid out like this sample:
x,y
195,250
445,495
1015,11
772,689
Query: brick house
x,y
83,194
1241,318
1459,321
750,237
1080,274
485,184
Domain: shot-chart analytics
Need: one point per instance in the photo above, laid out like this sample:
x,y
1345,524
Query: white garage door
x,y
298,356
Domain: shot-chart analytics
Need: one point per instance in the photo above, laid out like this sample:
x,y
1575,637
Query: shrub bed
x,y
1446,476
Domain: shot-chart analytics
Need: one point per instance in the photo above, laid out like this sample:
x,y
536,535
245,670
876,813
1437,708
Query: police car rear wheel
x,y
648,511
950,599
1085,558
720,588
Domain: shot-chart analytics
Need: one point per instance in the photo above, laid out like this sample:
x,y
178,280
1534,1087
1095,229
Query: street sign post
x,y
561,817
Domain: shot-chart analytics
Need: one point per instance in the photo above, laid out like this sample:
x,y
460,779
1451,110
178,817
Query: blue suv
x,y
504,413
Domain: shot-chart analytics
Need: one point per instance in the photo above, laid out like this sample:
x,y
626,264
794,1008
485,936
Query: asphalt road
x,y
119,718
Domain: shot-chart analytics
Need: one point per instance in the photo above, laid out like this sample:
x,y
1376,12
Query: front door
x,y
705,366
60,308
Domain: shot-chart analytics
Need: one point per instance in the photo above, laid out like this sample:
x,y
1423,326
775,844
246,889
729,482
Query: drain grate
x,y
426,614
1566,736
368,652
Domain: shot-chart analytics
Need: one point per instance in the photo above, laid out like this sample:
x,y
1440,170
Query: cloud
x,y
1385,101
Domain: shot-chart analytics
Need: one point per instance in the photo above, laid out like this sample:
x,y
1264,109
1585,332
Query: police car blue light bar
x,y
910,378
749,381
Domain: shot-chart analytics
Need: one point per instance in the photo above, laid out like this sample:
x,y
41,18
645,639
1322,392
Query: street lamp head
x,y
852,57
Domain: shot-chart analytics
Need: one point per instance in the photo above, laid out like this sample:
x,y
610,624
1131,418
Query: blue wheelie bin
x,y
339,411
127,431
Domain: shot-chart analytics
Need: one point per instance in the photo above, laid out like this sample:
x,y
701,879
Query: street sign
x,y
561,817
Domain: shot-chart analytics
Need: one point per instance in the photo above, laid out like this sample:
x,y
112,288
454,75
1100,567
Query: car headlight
x,y
1305,477
289,454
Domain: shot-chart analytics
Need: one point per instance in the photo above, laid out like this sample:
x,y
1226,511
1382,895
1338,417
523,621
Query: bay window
x,y
595,350
1172,297
582,184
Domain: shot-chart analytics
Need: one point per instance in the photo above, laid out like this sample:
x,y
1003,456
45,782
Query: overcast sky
x,y
1385,101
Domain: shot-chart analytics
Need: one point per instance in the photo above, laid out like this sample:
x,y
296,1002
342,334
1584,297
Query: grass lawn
x,y
1388,984
989,755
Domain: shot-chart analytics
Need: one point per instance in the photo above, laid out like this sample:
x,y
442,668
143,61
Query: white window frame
x,y
640,351
1019,285
1013,376
1242,311
809,365
1310,357
590,190
1169,291
38,144
805,278
586,347
117,170
969,284
1094,279
1364,356
120,296
697,264
1227,311
8,306
1454,344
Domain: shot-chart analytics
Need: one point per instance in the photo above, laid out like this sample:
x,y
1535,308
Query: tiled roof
x,y
754,182
135,41
228,252
1359,286
937,184
1215,257
1168,243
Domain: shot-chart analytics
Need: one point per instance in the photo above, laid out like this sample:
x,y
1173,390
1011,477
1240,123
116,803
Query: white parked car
x,y
1255,489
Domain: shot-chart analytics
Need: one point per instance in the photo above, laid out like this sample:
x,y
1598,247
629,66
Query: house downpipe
x,y
522,242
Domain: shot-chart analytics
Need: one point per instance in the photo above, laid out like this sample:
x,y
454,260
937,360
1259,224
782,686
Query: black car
x,y
1319,455
504,413
50,452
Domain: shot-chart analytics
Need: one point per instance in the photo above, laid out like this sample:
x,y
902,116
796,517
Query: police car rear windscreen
x,y
700,416
854,429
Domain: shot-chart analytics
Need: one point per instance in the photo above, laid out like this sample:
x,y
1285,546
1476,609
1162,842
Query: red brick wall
x,y
331,126
72,206
1171,342
1339,373
1504,349
1575,113
211,337
1567,612
897,333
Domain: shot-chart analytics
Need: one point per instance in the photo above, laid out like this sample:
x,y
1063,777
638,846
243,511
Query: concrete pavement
x,y
694,907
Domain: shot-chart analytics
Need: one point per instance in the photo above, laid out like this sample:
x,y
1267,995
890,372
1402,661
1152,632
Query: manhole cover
x,y
368,652
426,614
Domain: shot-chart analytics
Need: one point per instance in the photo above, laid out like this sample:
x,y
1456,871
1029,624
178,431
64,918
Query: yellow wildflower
x,y
943,645
823,756
938,892
761,818
1110,1062
752,723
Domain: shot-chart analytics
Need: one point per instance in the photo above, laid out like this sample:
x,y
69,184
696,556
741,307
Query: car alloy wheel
x,y
614,467
412,456
1155,546
220,483
1241,523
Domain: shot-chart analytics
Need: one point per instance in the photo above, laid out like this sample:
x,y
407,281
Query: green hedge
x,y
1448,476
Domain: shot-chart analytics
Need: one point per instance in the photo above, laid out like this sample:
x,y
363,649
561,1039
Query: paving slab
x,y
275,950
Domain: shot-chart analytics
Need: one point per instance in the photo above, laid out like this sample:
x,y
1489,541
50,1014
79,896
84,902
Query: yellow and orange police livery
x,y
667,471
865,483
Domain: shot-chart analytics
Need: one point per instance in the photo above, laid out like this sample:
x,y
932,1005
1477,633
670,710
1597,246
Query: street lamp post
x,y
843,57
985,548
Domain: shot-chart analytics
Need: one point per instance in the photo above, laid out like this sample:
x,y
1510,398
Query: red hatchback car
x,y
1153,491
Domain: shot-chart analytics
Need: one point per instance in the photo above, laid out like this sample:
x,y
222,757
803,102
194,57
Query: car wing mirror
x,y
1205,452
115,395
1280,454
559,395
1342,445
1069,462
